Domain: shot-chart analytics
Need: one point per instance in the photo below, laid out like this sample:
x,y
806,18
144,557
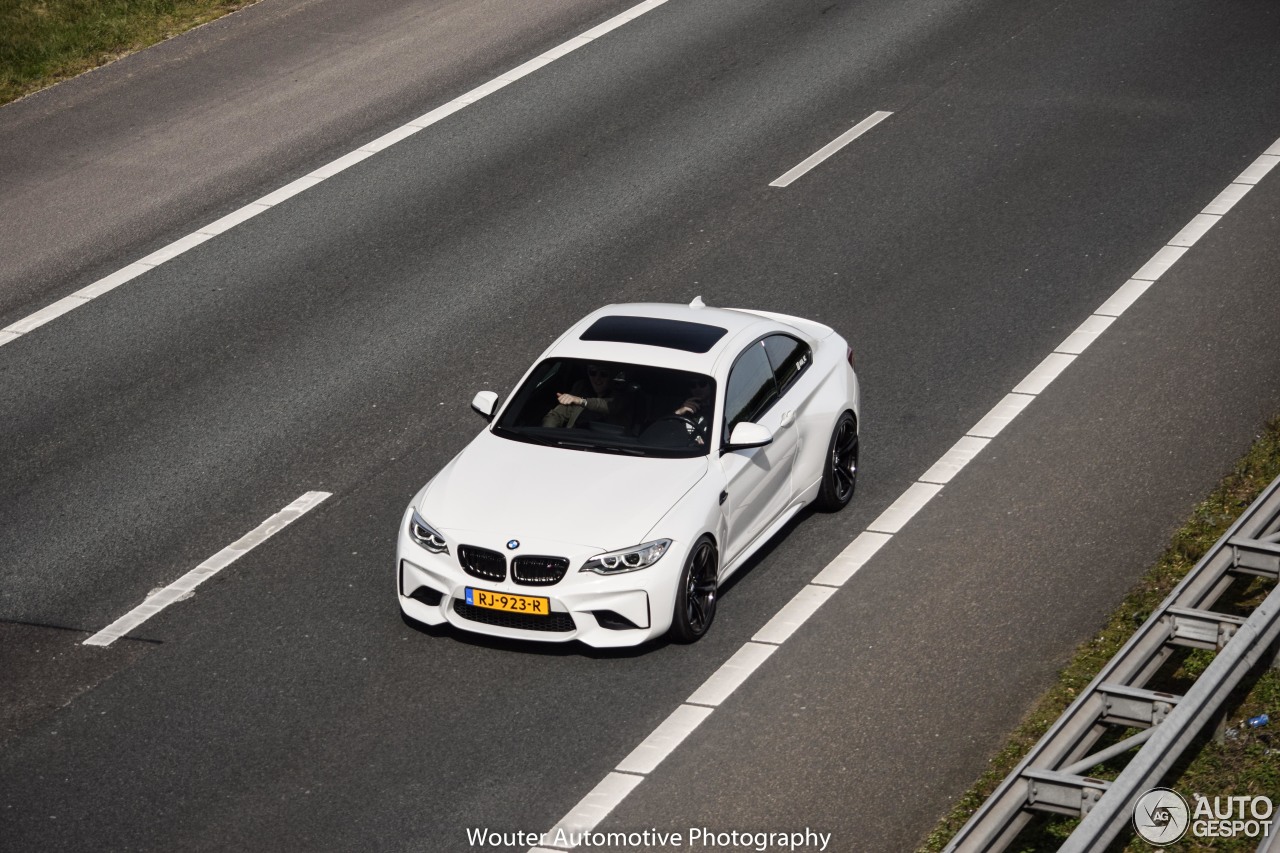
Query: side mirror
x,y
747,435
485,404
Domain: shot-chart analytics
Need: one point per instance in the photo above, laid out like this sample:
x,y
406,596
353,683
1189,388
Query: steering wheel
x,y
654,431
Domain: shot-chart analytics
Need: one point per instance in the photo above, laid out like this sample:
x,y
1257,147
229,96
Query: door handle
x,y
788,418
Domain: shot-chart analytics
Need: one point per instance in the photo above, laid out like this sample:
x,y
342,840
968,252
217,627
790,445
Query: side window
x,y
789,359
751,387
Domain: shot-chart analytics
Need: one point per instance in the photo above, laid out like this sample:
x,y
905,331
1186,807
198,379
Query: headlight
x,y
426,535
628,559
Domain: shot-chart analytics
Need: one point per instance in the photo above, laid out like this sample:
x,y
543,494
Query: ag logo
x,y
1161,816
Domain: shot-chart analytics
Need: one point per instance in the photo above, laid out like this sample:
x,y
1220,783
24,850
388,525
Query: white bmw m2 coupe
x,y
645,456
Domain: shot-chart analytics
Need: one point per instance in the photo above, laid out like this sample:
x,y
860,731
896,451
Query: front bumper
x,y
603,611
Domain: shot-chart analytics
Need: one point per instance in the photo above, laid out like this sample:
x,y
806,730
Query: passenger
x,y
603,404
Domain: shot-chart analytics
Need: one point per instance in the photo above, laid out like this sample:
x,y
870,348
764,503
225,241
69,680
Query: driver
x,y
603,403
697,401
697,407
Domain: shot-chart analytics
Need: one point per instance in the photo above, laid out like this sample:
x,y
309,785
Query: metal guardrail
x,y
1049,778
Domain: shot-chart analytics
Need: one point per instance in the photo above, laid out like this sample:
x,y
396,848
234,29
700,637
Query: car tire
x,y
696,595
840,474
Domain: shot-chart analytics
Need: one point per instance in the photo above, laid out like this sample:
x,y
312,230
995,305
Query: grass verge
x,y
44,41
1246,761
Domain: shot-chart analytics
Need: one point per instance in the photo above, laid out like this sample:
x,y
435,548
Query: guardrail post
x,y
1220,728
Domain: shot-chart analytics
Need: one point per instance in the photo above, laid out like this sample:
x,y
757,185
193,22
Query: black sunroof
x,y
672,334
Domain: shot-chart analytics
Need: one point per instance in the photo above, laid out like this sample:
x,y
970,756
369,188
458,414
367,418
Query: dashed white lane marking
x,y
794,614
1088,332
960,454
1047,371
1123,298
1001,415
751,655
306,182
669,734
731,674
853,557
831,147
905,507
182,587
595,806
1160,263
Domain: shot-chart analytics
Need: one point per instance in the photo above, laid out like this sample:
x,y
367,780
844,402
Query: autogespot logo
x,y
1161,816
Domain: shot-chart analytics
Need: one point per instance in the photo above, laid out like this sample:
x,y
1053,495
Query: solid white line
x,y
306,182
290,190
346,161
731,674
113,281
177,247
794,614
400,134
954,460
44,315
831,147
901,511
232,219
660,743
182,587
853,557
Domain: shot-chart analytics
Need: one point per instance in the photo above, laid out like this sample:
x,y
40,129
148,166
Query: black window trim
x,y
724,414
782,391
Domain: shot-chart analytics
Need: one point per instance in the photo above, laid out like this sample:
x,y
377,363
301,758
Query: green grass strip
x,y
1247,761
44,41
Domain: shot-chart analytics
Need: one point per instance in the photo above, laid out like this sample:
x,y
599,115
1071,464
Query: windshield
x,y
610,407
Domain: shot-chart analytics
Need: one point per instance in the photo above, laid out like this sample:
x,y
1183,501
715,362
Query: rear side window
x,y
789,358
751,388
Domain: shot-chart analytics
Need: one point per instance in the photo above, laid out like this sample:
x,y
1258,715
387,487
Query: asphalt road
x,y
1038,154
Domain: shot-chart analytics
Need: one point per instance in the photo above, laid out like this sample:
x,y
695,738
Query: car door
x,y
758,480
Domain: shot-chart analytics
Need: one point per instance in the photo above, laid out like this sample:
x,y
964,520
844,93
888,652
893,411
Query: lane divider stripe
x,y
663,740
731,674
752,654
831,148
183,586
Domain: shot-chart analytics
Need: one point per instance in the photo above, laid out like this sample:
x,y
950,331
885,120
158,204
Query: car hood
x,y
498,489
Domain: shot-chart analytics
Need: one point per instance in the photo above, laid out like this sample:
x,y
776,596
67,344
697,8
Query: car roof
x,y
682,337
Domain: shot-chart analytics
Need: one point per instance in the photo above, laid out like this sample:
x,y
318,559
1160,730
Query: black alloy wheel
x,y
840,478
696,597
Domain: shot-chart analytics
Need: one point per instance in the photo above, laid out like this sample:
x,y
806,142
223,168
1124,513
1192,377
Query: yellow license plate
x,y
531,604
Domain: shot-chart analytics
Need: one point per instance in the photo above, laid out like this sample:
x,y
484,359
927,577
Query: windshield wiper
x,y
601,448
